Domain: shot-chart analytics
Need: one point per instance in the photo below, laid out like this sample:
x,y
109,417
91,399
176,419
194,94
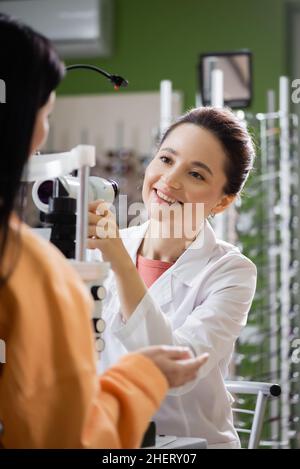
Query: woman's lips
x,y
160,200
156,199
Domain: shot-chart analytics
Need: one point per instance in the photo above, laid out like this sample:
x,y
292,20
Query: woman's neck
x,y
165,249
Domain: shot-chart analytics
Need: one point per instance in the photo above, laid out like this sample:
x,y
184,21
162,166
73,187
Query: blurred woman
x,y
50,396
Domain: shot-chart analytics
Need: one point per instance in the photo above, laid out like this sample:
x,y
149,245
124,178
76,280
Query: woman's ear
x,y
224,203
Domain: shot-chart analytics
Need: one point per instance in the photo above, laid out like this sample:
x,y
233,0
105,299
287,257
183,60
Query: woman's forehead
x,y
193,142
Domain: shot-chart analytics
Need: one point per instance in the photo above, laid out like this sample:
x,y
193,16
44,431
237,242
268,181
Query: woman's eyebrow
x,y
203,166
194,163
170,150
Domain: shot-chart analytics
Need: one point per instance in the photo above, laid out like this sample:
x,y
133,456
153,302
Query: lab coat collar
x,y
196,256
133,237
186,267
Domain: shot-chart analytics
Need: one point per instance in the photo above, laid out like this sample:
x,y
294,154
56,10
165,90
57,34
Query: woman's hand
x,y
177,363
103,234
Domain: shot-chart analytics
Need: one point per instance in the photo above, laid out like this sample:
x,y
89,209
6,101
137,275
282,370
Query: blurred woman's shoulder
x,y
36,259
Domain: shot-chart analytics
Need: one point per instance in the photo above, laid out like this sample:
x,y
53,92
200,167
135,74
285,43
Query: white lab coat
x,y
201,301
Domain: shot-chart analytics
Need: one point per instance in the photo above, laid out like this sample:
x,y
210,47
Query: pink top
x,y
151,269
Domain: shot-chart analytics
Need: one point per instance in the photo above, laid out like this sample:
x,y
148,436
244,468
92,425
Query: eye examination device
x,y
98,188
63,201
56,200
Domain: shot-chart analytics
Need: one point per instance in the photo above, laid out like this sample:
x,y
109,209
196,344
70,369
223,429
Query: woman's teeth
x,y
165,197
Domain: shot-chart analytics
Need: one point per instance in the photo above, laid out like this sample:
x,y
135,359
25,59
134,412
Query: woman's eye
x,y
197,175
165,159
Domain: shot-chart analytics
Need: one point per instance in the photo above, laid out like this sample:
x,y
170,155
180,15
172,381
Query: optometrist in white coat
x,y
203,297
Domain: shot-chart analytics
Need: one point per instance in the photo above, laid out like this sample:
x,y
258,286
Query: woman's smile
x,y
162,198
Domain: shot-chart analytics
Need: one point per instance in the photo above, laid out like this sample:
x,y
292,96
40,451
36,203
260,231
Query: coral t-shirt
x,y
151,269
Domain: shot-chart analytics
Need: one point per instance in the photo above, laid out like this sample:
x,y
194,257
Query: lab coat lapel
x,y
133,237
184,270
161,290
188,265
196,257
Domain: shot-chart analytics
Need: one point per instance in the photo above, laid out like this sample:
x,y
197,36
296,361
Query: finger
x,y
187,370
93,218
182,376
106,228
103,207
192,365
202,358
177,353
93,243
103,230
93,205
92,231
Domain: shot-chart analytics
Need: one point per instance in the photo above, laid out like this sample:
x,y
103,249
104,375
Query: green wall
x,y
161,39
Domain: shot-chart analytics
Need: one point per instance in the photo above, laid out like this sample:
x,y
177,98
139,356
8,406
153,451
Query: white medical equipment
x,y
60,165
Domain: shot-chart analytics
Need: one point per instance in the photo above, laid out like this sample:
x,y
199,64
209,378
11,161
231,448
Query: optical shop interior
x,y
149,224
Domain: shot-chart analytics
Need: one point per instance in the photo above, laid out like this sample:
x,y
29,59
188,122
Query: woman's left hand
x,y
103,234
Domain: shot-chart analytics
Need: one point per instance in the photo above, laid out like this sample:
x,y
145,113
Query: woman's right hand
x,y
176,363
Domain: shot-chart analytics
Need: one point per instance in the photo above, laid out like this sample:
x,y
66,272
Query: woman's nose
x,y
171,180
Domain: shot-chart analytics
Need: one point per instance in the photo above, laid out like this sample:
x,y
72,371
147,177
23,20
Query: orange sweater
x,y
50,396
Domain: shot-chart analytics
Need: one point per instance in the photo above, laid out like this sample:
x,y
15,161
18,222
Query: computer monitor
x,y
237,70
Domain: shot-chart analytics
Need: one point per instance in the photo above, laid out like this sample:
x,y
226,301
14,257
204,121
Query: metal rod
x,y
165,105
270,163
217,100
257,421
82,214
217,88
285,256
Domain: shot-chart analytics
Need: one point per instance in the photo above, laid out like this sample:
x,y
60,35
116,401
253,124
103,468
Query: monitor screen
x,y
237,73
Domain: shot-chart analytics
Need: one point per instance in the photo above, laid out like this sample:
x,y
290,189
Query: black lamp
x,y
116,80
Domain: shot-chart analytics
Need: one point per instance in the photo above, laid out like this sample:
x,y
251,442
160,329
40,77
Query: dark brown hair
x,y
31,70
232,133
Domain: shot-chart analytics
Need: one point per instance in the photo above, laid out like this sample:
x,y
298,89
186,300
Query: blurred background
x,y
168,50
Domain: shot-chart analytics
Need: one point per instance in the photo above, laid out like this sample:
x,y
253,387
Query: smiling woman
x,y
230,134
186,290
